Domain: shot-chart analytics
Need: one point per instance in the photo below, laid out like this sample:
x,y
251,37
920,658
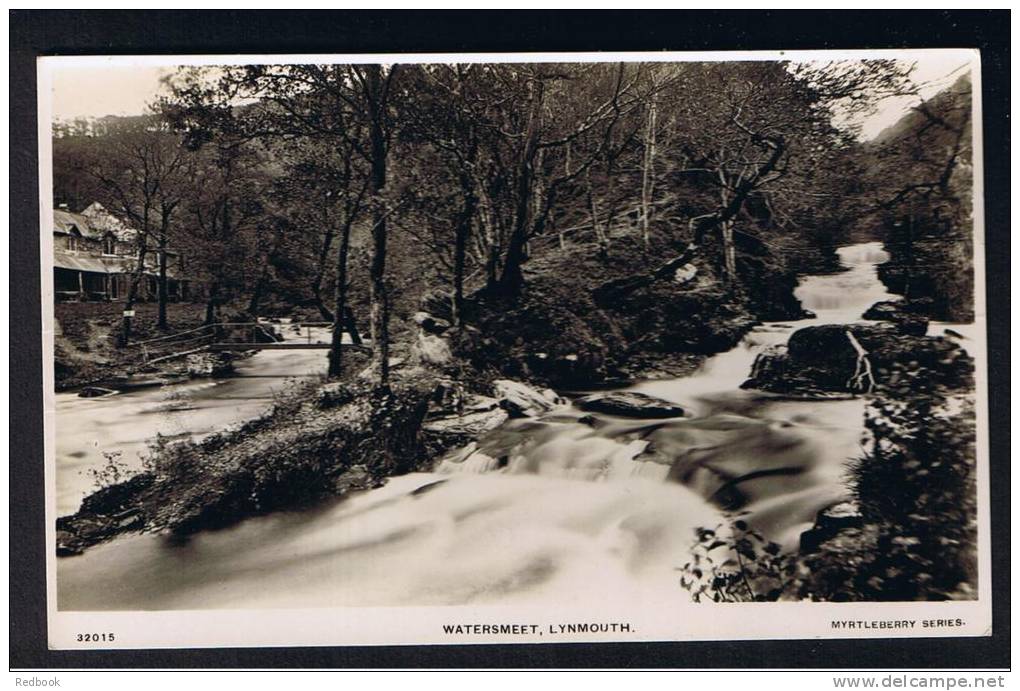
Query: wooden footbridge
x,y
244,336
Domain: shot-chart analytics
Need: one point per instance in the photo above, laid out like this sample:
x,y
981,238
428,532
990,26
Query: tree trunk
x,y
490,251
339,304
512,280
320,268
647,174
132,293
729,251
210,303
601,236
377,270
256,294
463,232
161,320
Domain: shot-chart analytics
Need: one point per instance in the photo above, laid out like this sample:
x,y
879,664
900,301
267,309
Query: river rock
x,y
95,392
209,365
630,404
470,424
883,311
830,522
520,400
901,314
824,359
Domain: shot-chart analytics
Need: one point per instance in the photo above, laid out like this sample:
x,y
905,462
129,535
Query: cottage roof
x,y
104,265
105,222
66,223
99,265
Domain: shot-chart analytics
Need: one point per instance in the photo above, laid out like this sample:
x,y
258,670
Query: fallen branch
x,y
611,291
862,370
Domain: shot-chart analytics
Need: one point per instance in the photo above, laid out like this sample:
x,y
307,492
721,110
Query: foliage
x,y
927,214
112,472
735,563
916,490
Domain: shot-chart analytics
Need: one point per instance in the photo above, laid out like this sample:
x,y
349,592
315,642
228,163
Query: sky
x,y
110,86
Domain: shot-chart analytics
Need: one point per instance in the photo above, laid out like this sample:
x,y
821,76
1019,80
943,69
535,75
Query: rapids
x,y
567,508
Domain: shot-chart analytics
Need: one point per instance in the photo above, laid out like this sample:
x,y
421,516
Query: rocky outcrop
x,y
858,358
629,404
467,426
521,400
430,324
907,317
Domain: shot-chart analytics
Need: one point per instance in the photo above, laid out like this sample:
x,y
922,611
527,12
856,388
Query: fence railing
x,y
189,341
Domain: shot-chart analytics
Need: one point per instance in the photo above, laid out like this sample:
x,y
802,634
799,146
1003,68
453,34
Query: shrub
x,y
737,564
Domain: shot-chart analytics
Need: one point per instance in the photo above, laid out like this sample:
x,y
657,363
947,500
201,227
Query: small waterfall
x,y
843,297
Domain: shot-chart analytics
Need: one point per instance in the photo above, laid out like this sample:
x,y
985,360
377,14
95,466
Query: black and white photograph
x,y
514,348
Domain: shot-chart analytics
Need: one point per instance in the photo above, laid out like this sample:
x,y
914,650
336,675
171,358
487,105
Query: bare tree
x,y
143,169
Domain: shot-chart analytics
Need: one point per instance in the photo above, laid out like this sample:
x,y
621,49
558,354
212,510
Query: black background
x,y
35,33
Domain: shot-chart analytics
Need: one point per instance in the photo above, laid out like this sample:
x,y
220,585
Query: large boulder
x,y
520,400
858,358
903,315
630,404
829,522
471,424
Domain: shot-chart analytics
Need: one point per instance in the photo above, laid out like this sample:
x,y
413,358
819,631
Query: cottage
x,y
95,255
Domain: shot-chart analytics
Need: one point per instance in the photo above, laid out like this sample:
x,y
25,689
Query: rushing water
x,y
549,510
125,423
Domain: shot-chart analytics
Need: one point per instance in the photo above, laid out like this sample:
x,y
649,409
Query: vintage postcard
x,y
514,348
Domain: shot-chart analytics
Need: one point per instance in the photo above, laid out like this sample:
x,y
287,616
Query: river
x,y
548,510
125,423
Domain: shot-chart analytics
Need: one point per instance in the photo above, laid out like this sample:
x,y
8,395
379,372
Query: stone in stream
x,y
209,364
630,404
900,313
824,359
471,424
829,522
520,400
95,392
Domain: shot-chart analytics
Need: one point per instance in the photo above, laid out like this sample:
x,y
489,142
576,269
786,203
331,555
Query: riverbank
x,y
317,440
85,338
